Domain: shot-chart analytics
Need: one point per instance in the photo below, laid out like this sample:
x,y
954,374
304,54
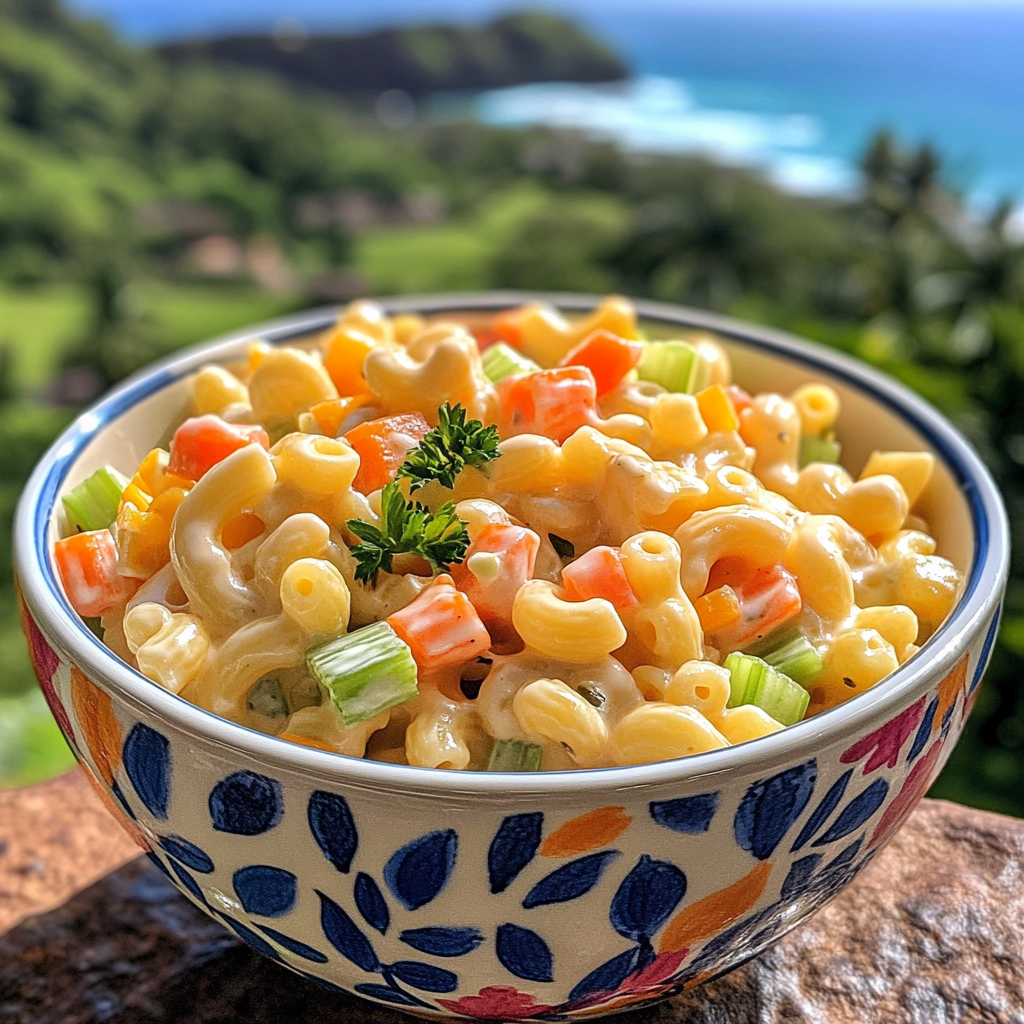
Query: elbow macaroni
x,y
689,541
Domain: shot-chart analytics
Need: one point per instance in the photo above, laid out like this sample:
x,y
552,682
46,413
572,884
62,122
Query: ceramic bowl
x,y
533,895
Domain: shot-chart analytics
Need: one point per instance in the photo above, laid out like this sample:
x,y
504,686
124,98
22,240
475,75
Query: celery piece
x,y
819,449
364,672
92,505
744,675
95,624
501,361
266,698
797,659
670,364
514,756
756,682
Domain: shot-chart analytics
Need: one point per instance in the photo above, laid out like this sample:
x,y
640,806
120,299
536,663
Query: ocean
x,y
796,90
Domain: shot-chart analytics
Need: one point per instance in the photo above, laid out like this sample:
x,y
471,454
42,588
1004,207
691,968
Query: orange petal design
x,y
587,832
714,912
98,724
950,687
137,835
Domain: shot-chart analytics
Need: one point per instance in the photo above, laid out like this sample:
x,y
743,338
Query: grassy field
x,y
38,323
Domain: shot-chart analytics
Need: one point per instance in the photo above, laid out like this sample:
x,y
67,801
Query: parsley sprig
x,y
447,449
407,527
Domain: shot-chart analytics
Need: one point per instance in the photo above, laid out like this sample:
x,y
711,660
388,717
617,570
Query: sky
x,y
155,19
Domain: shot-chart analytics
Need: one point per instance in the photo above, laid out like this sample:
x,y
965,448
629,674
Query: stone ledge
x,y
931,932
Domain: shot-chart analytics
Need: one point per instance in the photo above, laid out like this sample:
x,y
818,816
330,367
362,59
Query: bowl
x,y
544,895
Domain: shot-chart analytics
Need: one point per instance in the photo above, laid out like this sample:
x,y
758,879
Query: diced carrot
x,y
716,410
718,609
552,403
87,563
506,327
768,598
382,446
740,399
203,441
492,583
347,349
441,627
331,414
599,573
608,357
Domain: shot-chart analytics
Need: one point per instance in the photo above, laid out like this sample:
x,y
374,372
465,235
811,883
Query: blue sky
x,y
147,19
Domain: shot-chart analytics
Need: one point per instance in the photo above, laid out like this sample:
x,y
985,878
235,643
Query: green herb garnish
x,y
447,449
407,527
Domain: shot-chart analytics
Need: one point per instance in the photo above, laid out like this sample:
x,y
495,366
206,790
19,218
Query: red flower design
x,y
913,789
497,1002
887,741
44,663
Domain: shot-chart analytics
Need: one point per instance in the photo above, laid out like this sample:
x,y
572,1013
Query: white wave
x,y
659,115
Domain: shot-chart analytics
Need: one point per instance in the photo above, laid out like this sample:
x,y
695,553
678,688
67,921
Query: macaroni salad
x,y
541,544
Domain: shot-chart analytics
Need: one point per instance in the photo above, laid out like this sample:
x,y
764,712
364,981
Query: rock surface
x,y
931,932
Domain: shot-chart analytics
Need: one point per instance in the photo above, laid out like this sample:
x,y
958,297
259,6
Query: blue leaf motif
x,y
158,862
689,814
986,649
606,978
441,941
513,847
924,731
388,995
246,804
771,806
646,898
800,873
188,881
293,945
523,953
425,977
856,812
570,881
250,938
371,903
147,761
186,852
344,935
419,870
820,813
333,828
264,890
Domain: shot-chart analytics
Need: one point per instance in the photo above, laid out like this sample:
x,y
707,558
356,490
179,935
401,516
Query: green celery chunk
x,y
267,698
365,672
797,659
501,361
92,505
672,364
514,756
756,682
819,449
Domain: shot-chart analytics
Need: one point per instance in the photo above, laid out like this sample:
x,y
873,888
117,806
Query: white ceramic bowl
x,y
517,896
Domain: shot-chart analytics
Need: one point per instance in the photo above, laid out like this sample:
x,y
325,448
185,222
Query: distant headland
x,y
511,50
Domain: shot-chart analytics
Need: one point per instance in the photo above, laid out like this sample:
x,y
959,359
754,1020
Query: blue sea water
x,y
796,89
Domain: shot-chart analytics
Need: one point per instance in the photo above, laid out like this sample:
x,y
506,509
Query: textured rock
x,y
932,932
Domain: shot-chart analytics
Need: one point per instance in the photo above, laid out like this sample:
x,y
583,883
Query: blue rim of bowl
x,y
977,605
